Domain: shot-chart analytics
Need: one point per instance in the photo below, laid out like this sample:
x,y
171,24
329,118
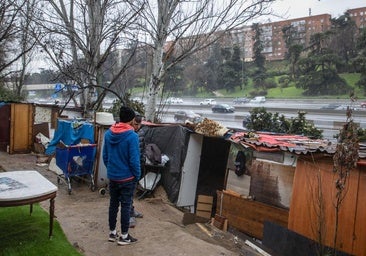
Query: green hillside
x,y
292,92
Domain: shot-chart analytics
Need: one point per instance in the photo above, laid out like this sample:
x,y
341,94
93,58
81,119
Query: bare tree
x,y
345,160
15,43
181,28
27,39
80,35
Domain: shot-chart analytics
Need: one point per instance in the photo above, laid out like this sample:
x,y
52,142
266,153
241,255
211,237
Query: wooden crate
x,y
204,206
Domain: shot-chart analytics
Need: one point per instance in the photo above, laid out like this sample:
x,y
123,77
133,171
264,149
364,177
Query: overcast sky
x,y
291,9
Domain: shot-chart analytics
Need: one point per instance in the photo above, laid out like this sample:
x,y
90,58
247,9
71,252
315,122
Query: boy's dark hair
x,y
138,119
126,114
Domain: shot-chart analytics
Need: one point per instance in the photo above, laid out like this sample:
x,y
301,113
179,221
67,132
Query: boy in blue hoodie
x,y
121,156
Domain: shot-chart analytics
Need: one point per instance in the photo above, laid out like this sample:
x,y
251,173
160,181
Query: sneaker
x,y
137,214
128,240
132,222
112,237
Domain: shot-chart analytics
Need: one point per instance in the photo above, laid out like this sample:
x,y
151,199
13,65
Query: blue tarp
x,y
70,133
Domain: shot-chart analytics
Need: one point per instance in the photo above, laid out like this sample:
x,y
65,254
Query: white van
x,y
208,102
258,99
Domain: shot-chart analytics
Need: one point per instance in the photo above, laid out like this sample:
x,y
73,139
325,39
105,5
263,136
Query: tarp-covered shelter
x,y
196,166
197,163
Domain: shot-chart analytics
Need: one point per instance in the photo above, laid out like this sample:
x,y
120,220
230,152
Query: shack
x,y
271,189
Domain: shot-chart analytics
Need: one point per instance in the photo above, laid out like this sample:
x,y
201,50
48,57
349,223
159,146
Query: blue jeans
x,y
120,194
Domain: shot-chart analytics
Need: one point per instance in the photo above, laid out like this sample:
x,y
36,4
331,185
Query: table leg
x,y
52,213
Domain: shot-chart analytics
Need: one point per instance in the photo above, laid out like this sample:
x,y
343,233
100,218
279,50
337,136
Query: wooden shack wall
x,y
4,127
249,216
21,128
359,244
314,186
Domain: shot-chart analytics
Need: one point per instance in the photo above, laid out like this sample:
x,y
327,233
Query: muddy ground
x,y
83,217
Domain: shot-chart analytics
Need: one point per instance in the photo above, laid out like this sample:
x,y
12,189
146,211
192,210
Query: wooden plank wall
x,y
249,216
4,127
305,207
21,128
359,244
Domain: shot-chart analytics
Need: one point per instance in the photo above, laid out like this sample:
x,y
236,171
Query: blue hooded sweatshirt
x,y
121,153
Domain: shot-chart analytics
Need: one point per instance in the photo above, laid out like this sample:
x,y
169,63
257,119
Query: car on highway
x,y
345,107
184,115
223,108
174,100
331,106
208,102
241,100
258,99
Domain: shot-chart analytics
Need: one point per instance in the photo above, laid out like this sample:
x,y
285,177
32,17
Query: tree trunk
x,y
154,82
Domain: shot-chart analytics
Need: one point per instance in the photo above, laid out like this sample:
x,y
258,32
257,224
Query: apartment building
x,y
358,15
272,36
303,28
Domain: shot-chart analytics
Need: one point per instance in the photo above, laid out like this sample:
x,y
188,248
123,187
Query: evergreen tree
x,y
342,38
258,58
294,48
259,74
318,71
237,65
7,95
174,79
213,65
230,70
359,61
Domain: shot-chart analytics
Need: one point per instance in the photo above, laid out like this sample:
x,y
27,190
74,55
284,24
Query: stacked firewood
x,y
210,127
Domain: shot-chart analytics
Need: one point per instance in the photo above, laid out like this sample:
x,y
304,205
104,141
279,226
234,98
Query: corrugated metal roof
x,y
281,142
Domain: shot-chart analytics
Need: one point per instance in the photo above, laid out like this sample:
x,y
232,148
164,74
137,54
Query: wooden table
x,y
27,187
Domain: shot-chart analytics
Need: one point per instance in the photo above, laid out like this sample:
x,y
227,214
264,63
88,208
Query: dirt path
x,y
83,217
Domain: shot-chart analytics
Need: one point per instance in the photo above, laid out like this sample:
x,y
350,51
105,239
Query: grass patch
x,y
27,235
351,78
292,92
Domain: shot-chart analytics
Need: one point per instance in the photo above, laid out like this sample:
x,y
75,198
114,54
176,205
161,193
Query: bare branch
x,y
183,28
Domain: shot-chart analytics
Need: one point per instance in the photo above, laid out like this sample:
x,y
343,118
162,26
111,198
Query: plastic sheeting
x,y
70,133
172,141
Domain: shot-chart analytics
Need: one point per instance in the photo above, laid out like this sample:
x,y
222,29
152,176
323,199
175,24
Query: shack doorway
x,y
213,165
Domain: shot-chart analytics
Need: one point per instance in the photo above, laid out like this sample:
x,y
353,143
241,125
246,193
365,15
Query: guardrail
x,y
325,119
